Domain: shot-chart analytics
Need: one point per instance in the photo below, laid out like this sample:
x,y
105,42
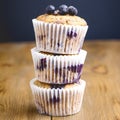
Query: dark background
x,y
102,16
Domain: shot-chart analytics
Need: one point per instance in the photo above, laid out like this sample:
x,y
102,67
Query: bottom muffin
x,y
57,100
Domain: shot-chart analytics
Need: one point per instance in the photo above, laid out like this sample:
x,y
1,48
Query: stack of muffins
x,y
58,61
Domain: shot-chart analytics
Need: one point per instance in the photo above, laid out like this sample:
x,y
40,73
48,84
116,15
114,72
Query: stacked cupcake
x,y
58,61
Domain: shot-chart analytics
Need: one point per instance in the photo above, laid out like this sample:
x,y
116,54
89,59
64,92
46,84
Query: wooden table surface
x,y
101,72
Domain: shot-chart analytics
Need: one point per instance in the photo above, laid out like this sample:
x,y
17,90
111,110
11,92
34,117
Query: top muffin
x,y
60,30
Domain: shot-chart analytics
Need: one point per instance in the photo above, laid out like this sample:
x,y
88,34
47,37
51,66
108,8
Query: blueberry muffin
x,y
57,100
60,30
58,69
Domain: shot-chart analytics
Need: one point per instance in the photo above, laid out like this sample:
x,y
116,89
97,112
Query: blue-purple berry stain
x,y
58,44
79,68
54,99
42,64
71,34
72,68
75,68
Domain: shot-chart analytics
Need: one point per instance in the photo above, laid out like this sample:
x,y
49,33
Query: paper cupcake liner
x,y
57,38
58,69
58,102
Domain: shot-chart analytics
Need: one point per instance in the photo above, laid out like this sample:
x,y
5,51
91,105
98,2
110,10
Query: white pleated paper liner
x,y
58,69
58,101
58,38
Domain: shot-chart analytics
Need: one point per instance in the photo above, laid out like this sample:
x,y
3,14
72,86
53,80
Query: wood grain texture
x,y
101,72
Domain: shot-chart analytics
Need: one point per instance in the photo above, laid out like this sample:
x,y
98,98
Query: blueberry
x,y
72,10
50,9
63,9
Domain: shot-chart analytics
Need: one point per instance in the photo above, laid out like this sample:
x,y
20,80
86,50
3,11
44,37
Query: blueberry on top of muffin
x,y
62,10
50,9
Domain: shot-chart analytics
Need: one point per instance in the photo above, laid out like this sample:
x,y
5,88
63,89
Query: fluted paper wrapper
x,y
58,38
58,102
58,69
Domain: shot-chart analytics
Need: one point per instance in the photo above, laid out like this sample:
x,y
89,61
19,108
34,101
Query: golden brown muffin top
x,y
45,85
62,19
40,84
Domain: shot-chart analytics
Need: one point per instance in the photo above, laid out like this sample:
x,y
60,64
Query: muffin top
x,y
62,19
45,85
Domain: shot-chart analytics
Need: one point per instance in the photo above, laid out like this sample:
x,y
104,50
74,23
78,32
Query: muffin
x,y
59,33
58,69
57,100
